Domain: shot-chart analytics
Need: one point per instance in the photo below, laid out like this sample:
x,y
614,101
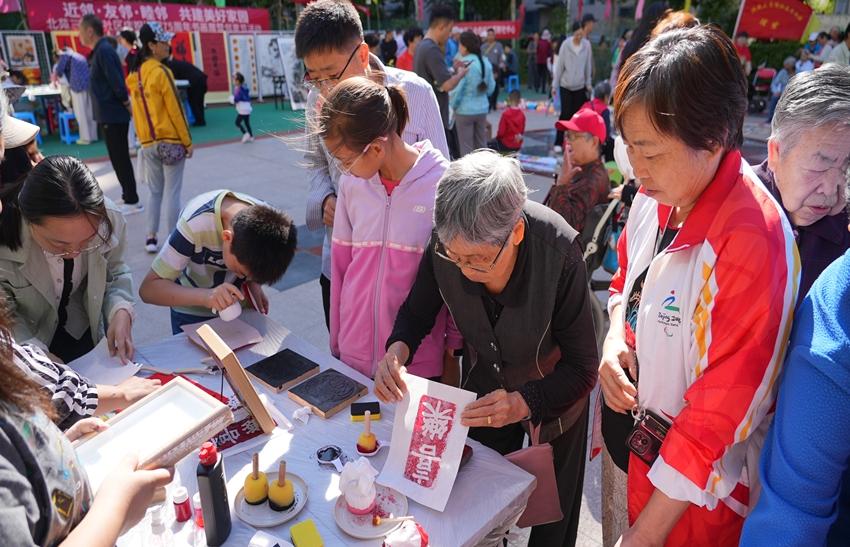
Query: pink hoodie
x,y
378,241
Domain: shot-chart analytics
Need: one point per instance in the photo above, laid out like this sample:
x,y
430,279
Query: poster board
x,y
71,39
243,58
215,60
27,52
269,62
294,70
427,442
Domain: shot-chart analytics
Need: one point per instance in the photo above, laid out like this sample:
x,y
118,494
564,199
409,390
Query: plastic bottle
x,y
212,487
199,538
160,534
182,505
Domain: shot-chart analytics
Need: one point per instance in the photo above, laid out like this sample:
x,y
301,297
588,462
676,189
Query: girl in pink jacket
x,y
383,220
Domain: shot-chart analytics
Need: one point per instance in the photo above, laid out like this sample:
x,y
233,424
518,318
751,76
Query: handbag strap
x,y
175,91
145,102
145,106
533,434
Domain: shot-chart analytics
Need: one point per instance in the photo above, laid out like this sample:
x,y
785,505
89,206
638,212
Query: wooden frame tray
x,y
162,428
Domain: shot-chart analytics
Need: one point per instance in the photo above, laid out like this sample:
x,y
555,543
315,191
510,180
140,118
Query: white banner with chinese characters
x,y
427,442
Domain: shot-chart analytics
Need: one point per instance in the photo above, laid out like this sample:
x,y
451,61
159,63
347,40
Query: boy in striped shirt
x,y
225,243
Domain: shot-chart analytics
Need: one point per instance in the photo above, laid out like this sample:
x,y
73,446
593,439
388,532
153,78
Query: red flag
x,y
608,9
777,19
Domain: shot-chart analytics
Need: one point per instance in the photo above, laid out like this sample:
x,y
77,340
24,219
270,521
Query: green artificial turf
x,y
220,128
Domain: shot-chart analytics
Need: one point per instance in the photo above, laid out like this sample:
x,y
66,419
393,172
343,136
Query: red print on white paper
x,y
433,423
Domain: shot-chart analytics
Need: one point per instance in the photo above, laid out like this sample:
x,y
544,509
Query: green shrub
x,y
772,54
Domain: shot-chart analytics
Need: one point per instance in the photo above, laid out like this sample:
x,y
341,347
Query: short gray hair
x,y
814,99
479,199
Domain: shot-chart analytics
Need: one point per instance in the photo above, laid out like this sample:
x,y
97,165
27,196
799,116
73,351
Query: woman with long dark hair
x,y
62,261
470,98
161,127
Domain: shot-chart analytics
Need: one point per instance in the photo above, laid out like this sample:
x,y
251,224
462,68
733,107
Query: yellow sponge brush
x,y
358,411
305,534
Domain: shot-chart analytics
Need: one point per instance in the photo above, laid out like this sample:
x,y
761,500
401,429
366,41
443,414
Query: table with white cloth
x,y
488,495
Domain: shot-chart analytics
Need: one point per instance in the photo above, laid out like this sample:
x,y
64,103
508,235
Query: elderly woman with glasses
x,y
511,273
62,262
702,302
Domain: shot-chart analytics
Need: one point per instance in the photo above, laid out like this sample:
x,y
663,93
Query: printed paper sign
x,y
427,442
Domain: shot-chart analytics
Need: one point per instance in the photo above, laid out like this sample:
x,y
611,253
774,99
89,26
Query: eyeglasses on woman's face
x,y
55,248
326,84
574,136
470,263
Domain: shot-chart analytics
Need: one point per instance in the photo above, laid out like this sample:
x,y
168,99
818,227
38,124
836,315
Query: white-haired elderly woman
x,y
807,163
511,273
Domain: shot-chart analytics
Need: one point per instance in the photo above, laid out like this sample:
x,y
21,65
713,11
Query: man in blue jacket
x,y
111,107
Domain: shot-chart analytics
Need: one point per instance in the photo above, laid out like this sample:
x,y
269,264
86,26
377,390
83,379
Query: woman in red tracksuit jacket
x,y
702,303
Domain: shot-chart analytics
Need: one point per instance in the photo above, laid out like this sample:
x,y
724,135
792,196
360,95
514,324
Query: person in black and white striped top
x,y
75,397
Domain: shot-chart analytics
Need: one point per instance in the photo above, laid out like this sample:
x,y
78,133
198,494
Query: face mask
x,y
122,52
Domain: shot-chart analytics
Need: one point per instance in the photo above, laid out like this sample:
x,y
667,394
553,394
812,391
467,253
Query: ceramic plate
x,y
388,501
262,516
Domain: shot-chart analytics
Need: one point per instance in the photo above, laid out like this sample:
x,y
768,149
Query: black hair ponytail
x,y
399,103
482,85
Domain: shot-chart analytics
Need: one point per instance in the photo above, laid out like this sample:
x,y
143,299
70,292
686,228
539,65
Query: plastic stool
x,y
65,134
513,83
190,116
30,117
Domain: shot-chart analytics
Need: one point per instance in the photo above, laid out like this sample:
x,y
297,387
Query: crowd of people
x,y
723,375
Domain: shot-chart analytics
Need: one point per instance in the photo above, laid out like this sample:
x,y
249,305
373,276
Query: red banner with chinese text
x,y
181,47
504,29
50,15
774,19
214,54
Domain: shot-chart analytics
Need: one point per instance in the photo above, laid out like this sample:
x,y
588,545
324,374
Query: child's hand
x,y
85,427
223,296
128,490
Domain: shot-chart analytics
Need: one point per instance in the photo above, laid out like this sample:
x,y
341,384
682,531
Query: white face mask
x,y
122,52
